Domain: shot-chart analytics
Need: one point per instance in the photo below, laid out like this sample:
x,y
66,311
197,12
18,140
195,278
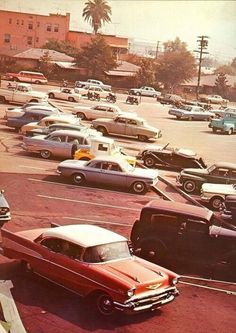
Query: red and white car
x,y
93,262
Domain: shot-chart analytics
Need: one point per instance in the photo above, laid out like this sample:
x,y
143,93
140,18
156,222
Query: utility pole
x,y
203,43
157,48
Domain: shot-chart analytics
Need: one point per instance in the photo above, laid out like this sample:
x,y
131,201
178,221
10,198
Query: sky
x,y
153,20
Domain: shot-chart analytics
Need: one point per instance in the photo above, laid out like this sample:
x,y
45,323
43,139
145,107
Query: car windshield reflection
x,y
107,252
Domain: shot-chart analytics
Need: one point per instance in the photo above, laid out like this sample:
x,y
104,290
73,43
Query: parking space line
x,y
31,167
86,202
96,221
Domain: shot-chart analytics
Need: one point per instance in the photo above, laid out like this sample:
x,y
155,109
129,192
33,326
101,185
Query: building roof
x,y
209,80
35,53
124,68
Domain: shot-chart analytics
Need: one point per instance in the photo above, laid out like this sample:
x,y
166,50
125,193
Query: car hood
x,y
197,172
219,188
72,163
136,272
82,107
27,139
144,173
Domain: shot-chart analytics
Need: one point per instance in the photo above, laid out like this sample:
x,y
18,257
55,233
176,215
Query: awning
x,y
66,65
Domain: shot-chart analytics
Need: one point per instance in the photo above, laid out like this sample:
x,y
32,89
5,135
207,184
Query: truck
x,y
226,124
92,82
21,93
144,91
101,146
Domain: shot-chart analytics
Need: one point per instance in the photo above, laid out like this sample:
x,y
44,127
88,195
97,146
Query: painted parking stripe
x,y
87,202
96,221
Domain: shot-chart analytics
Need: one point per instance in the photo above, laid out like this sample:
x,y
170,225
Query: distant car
x,y
165,156
216,99
189,112
109,170
169,231
214,194
95,263
63,126
144,91
92,82
29,116
67,94
100,110
169,99
49,120
57,143
218,173
18,111
5,214
128,125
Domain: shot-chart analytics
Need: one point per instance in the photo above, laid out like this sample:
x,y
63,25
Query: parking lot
x,y
37,197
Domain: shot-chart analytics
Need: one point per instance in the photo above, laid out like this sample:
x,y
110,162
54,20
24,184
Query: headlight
x,y
130,292
175,281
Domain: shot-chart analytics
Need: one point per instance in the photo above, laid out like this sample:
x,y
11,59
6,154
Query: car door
x,y
112,174
100,111
131,127
220,175
56,144
232,176
118,126
63,265
94,172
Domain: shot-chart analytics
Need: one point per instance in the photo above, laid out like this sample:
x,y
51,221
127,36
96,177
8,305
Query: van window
x,y
165,222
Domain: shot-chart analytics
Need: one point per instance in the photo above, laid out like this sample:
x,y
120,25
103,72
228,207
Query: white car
x,y
217,99
215,194
85,91
97,111
29,107
50,120
67,94
191,112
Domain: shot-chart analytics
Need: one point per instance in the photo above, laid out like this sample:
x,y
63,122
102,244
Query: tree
x,y
45,64
97,57
221,85
176,66
61,46
97,13
146,74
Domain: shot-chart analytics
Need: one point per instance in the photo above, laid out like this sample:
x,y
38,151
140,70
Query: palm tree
x,y
97,12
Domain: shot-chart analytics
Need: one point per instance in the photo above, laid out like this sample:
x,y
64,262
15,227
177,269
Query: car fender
x,y
228,125
193,177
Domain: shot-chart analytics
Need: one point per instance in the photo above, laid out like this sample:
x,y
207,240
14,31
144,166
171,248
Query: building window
x,y
22,22
49,27
29,40
30,25
7,38
17,22
56,28
37,39
10,21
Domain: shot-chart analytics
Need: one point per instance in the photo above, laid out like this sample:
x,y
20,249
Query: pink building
x,y
25,30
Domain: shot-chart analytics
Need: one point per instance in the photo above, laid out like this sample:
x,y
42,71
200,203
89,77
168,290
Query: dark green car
x,y
191,180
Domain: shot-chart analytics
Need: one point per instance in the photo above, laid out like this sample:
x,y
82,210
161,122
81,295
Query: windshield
x,y
107,252
211,168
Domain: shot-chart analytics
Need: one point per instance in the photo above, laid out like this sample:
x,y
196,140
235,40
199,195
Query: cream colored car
x,y
50,120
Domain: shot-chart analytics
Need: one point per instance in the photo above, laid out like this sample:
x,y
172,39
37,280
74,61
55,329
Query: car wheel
x,y
149,162
104,304
45,154
81,115
37,82
34,101
154,95
51,95
142,138
178,117
102,130
230,131
190,118
78,178
214,130
139,187
71,99
189,186
153,250
216,202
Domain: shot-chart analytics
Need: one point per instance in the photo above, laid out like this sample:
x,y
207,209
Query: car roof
x,y
180,209
107,106
84,234
70,132
103,139
61,117
130,116
225,165
108,158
